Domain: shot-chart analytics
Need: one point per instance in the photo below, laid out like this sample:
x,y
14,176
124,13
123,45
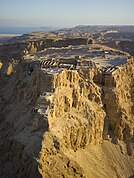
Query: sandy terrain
x,y
103,161
9,35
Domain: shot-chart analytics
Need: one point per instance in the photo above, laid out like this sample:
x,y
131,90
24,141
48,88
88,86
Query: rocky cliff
x,y
119,103
85,131
90,107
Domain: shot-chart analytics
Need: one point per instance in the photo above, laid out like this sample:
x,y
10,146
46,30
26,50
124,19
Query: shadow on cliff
x,y
22,128
131,176
15,160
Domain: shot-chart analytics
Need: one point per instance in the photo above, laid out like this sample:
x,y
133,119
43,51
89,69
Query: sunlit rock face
x,y
87,109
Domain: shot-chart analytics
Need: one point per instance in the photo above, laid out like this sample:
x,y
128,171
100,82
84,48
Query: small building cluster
x,y
57,65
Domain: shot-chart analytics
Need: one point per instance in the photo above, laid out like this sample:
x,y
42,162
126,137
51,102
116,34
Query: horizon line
x,y
56,26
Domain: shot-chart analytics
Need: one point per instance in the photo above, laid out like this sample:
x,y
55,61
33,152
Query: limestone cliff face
x,y
119,102
88,107
76,120
89,120
77,107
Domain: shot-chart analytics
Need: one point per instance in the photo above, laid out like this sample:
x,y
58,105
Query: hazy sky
x,y
66,12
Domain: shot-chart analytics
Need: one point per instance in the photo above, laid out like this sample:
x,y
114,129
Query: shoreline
x,y
8,35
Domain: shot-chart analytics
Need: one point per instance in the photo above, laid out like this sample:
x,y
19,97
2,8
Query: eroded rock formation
x,y
119,102
86,131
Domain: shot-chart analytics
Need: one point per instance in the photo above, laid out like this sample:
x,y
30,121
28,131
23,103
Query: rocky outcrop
x,y
86,129
77,100
87,108
119,103
76,119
